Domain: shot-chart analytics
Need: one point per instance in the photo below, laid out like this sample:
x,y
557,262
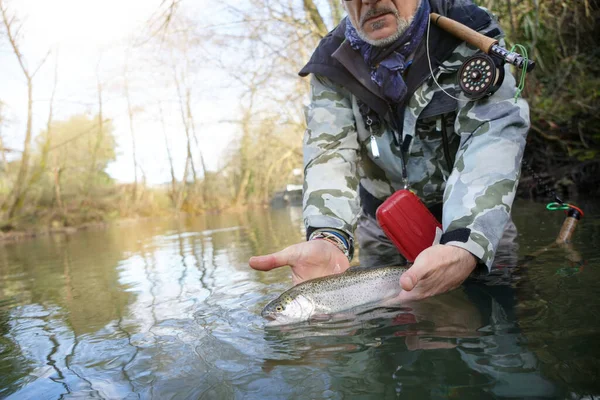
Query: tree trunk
x,y
337,11
186,126
18,193
173,194
41,167
181,193
3,160
131,130
511,19
315,17
193,126
57,192
99,137
270,172
241,193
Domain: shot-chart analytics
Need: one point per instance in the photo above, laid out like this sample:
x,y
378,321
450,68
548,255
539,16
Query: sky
x,y
83,35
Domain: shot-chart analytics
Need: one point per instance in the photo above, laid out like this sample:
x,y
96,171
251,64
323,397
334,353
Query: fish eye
x,y
279,308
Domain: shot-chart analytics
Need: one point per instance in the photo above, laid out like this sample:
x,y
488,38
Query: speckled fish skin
x,y
335,293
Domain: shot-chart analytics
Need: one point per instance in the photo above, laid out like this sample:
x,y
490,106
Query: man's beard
x,y
402,23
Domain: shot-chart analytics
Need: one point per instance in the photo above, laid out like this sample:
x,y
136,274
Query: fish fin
x,y
320,317
391,302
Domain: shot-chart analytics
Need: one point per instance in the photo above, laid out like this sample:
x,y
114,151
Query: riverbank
x,y
20,235
571,183
15,236
42,230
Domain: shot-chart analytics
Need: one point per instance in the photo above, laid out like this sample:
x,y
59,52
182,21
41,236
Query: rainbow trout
x,y
333,294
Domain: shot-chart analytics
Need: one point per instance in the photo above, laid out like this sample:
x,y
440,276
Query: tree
x,y
71,176
17,196
41,165
3,150
131,114
272,43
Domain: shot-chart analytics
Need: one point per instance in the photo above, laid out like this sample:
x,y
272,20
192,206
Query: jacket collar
x,y
335,59
356,66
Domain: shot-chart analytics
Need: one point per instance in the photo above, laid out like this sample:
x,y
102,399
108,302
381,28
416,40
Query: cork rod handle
x,y
463,32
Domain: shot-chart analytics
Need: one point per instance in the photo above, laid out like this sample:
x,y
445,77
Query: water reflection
x,y
169,308
457,348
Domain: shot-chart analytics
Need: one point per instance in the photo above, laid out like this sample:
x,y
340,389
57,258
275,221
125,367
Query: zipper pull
x,y
374,147
438,125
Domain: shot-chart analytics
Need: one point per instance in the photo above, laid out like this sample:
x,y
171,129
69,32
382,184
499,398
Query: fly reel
x,y
480,76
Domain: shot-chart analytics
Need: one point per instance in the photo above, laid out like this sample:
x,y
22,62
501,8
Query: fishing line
x,y
523,70
486,59
431,68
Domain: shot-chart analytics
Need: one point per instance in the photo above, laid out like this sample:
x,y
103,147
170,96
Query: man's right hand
x,y
312,259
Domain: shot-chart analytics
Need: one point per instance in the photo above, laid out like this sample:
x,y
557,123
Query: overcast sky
x,y
86,33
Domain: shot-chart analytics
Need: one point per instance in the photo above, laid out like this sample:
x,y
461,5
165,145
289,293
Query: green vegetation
x,y
57,178
564,89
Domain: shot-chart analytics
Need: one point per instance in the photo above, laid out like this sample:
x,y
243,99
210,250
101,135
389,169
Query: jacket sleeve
x,y
331,154
481,188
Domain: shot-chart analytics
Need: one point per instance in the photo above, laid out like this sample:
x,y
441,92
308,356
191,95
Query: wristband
x,y
334,238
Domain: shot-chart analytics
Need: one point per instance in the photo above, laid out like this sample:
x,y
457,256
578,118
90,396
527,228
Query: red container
x,y
407,223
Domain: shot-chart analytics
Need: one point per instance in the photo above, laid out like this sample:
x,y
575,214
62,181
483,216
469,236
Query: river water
x,y
169,309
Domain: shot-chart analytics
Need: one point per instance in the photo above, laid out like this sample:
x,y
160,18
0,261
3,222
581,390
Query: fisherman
x,y
384,94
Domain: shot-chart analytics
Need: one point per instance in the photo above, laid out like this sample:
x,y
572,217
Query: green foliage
x,y
269,152
67,182
79,154
563,37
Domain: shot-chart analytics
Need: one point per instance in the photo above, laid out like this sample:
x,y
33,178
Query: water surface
x,y
169,309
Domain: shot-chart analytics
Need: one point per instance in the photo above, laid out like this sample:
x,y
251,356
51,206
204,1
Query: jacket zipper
x,y
395,133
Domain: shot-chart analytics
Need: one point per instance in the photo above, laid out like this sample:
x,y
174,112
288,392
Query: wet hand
x,y
438,269
308,260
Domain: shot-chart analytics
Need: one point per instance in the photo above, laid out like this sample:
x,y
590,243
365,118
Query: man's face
x,y
380,22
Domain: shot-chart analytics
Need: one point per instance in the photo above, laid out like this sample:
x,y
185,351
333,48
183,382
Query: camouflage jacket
x,y
474,172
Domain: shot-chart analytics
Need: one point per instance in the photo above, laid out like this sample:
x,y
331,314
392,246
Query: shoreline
x,y
19,236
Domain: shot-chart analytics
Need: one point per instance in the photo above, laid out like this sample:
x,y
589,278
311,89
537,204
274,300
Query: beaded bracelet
x,y
334,238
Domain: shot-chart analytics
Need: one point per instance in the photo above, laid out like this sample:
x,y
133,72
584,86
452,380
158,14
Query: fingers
x,y
436,270
413,275
419,270
263,263
407,281
274,260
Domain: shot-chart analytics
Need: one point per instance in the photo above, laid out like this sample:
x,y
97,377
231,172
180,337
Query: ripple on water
x,y
170,311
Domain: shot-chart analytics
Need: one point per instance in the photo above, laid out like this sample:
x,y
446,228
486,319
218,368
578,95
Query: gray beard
x,y
403,24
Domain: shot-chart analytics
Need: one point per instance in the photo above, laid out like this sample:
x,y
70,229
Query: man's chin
x,y
381,37
385,35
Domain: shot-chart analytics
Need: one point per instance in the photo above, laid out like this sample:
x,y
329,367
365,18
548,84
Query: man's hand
x,y
436,270
308,260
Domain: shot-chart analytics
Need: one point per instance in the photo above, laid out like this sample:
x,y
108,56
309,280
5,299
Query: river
x,y
169,309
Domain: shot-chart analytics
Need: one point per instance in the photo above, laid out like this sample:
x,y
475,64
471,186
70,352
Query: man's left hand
x,y
438,269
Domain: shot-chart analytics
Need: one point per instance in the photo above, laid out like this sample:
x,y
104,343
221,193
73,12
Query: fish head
x,y
288,309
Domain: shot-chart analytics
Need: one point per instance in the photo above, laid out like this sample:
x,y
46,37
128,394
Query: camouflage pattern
x,y
487,138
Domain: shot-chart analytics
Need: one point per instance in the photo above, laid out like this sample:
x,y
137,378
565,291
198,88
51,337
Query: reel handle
x,y
463,32
512,58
